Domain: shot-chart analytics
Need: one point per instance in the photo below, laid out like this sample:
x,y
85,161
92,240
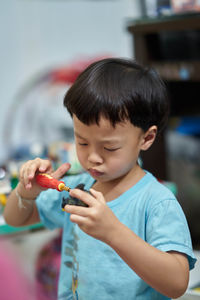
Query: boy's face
x,y
107,153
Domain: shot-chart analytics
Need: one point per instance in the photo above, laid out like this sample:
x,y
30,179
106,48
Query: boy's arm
x,y
20,213
167,272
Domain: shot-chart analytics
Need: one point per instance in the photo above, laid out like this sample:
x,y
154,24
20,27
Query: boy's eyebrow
x,y
78,135
110,141
106,140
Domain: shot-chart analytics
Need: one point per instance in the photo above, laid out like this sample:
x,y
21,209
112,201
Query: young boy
x,y
132,241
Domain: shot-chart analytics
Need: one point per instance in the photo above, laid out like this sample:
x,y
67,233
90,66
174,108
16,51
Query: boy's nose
x,y
95,158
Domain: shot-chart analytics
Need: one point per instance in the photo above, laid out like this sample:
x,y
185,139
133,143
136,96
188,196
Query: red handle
x,y
47,181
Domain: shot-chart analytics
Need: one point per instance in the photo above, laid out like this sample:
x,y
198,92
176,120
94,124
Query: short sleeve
x,y
49,207
167,229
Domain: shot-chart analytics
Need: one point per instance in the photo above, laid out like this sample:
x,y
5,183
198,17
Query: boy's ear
x,y
148,138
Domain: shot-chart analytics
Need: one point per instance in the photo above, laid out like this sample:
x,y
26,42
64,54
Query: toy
x,y
74,201
47,181
3,200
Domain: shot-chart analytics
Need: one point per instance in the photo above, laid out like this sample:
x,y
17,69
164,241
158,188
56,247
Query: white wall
x,y
40,34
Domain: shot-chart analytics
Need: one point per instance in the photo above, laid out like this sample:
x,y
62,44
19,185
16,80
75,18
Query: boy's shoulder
x,y
157,191
159,185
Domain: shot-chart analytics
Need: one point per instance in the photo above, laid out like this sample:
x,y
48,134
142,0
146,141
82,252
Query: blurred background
x,y
44,46
39,37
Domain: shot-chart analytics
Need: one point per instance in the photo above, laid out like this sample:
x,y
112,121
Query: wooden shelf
x,y
166,23
178,65
145,31
178,70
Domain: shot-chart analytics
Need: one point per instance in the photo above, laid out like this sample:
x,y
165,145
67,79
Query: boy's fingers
x,y
60,172
42,165
77,210
28,170
25,177
79,220
82,195
97,195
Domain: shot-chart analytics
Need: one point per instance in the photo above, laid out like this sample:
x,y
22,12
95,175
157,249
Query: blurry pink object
x,y
13,282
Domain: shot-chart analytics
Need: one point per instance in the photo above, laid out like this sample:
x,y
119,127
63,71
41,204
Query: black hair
x,y
119,89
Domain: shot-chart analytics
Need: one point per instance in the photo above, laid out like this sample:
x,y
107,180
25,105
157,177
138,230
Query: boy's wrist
x,y
22,202
113,234
26,194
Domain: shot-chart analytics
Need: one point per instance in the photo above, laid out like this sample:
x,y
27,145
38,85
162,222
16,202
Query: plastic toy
x,y
47,181
74,201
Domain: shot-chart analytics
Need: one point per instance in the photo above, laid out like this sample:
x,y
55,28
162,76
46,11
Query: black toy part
x,y
74,201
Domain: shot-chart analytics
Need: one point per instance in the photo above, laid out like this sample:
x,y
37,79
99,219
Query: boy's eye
x,y
111,149
82,144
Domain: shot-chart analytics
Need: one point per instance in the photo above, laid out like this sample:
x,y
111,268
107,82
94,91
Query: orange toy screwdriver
x,y
47,181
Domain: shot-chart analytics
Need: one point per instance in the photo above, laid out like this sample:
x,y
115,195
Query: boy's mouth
x,y
95,173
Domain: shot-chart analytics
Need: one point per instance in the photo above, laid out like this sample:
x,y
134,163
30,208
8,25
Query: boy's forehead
x,y
104,130
103,123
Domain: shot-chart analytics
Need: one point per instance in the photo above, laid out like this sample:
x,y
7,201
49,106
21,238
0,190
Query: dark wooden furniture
x,y
172,46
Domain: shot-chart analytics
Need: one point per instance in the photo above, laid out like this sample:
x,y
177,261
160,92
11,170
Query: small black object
x,y
74,201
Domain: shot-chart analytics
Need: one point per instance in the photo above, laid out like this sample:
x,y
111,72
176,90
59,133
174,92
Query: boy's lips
x,y
94,172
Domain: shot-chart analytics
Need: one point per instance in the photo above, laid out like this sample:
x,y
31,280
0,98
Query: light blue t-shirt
x,y
90,269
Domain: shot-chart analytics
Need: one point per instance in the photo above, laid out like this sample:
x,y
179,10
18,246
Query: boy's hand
x,y
31,167
97,220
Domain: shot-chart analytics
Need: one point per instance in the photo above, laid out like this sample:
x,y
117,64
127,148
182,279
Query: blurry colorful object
x,y
69,73
47,270
3,199
62,152
180,6
37,115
